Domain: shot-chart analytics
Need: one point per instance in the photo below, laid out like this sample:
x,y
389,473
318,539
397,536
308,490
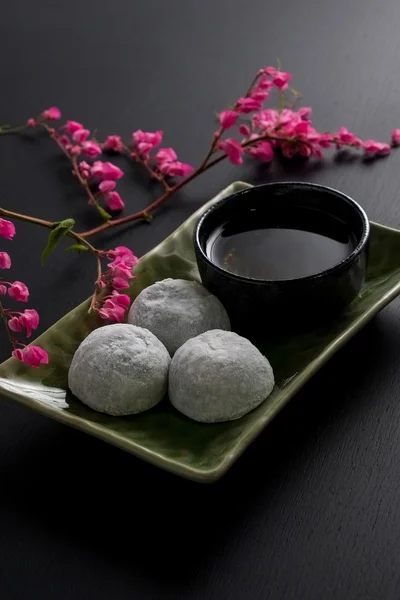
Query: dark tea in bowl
x,y
283,254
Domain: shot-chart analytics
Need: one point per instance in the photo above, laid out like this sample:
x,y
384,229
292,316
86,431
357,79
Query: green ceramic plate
x,y
162,436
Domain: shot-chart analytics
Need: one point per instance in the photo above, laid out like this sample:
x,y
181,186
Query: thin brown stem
x,y
97,282
135,156
48,224
219,131
5,321
6,130
20,217
252,84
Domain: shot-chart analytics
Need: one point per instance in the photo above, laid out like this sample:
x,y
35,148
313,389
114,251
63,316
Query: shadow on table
x,y
158,525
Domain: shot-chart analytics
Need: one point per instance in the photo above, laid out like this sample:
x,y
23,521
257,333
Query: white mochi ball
x,y
176,310
120,370
218,376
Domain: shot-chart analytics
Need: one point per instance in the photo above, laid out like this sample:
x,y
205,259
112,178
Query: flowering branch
x,y
246,130
111,307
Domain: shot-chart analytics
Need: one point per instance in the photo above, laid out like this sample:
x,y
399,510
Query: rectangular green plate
x,y
162,436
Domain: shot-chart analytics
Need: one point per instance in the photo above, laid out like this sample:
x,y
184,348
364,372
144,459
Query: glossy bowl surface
x,y
285,302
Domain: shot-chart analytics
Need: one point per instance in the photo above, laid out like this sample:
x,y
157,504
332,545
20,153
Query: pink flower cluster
x,y
17,322
29,320
73,138
289,131
166,159
117,276
33,356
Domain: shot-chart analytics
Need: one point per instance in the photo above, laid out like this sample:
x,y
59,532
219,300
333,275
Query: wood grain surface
x,y
311,511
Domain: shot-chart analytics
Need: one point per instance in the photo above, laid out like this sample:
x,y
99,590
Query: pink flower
x,y
32,355
175,169
124,255
305,112
119,283
84,169
106,170
233,150
7,229
30,320
5,260
14,324
65,141
302,128
396,137
304,150
288,149
269,71
114,201
75,150
344,136
372,147
248,105
19,291
281,80
290,118
228,118
107,186
121,299
244,130
73,126
113,142
31,122
114,306
259,95
112,311
3,290
52,114
122,270
264,84
267,119
146,141
263,151
165,155
121,267
384,150
325,140
91,149
80,135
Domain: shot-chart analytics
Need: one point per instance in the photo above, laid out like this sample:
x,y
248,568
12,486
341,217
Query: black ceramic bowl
x,y
257,302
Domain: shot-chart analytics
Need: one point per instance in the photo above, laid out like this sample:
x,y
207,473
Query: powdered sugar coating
x,y
219,376
120,370
176,310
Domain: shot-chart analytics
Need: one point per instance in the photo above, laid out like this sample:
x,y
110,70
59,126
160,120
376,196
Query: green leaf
x,y
76,247
106,216
55,236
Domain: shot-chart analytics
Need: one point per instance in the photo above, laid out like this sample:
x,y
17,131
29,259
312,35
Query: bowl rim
x,y
338,267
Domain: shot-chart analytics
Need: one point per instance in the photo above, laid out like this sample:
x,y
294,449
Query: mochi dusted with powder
x,y
219,376
120,370
176,310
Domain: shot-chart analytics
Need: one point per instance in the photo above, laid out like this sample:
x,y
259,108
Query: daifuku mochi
x,y
218,376
176,310
120,370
